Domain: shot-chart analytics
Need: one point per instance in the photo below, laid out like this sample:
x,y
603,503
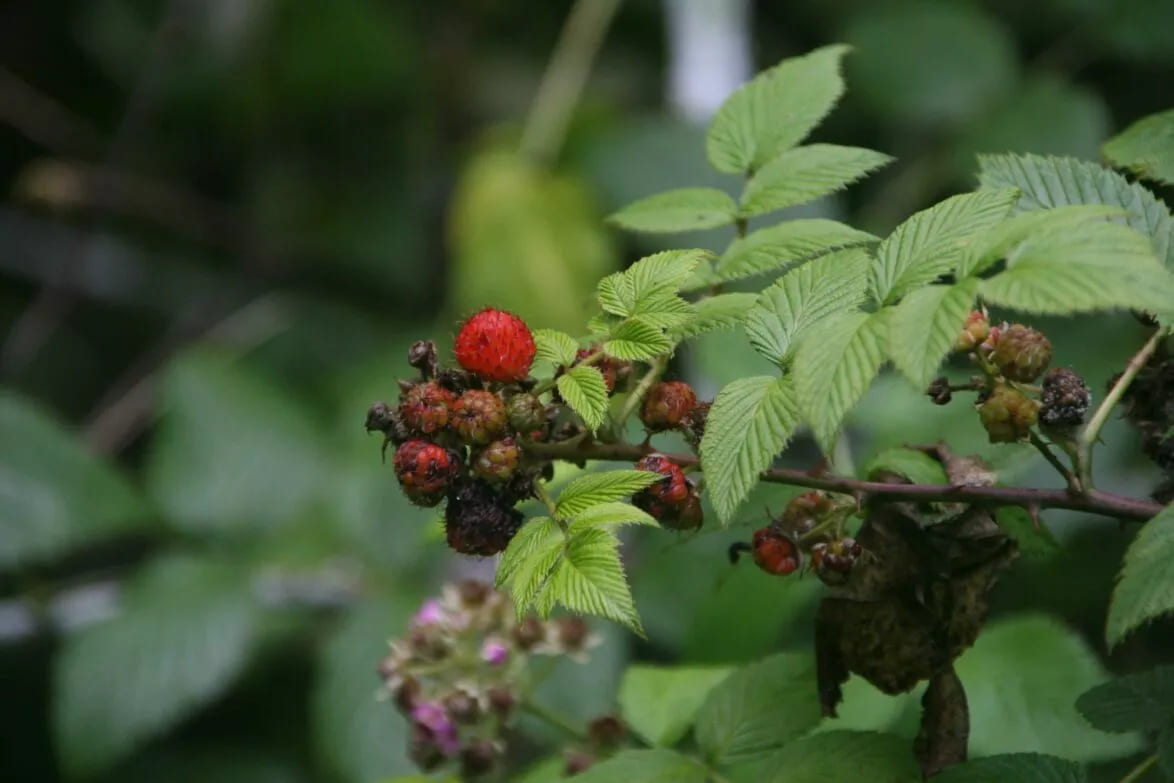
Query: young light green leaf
x,y
1145,148
644,286
555,346
586,392
787,244
593,488
1017,767
636,339
806,173
774,111
759,708
844,756
186,632
1135,702
1001,239
834,365
714,313
654,765
1145,588
590,579
611,515
1095,266
1048,182
529,560
1033,536
924,326
803,296
916,466
750,422
684,209
659,702
933,241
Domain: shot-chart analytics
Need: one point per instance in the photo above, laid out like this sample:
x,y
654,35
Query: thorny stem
x,y
555,719
1092,430
1137,772
1091,501
1054,461
650,377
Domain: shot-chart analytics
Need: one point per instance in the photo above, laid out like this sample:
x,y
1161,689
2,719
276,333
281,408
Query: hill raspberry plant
x,y
910,548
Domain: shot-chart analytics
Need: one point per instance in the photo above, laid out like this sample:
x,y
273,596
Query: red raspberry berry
x,y
495,345
479,417
498,461
666,495
667,405
424,408
424,470
774,553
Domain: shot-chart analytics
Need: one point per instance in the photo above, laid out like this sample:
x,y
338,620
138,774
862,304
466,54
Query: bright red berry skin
x,y
424,408
424,470
667,405
774,553
496,345
670,493
479,417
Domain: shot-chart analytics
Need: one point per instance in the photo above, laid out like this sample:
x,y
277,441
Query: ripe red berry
x,y
495,345
479,417
774,553
424,408
667,405
666,496
424,470
498,461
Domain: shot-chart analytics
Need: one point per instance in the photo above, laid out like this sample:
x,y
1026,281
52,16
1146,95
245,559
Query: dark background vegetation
x,y
224,220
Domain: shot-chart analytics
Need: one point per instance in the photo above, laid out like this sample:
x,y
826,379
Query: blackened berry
x,y
1065,400
477,521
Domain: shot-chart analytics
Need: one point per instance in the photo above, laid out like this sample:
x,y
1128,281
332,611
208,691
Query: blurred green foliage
x,y
224,222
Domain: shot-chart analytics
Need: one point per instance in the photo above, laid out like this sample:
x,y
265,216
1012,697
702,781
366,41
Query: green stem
x,y
1069,477
565,76
1137,772
544,496
1092,430
555,719
547,385
650,377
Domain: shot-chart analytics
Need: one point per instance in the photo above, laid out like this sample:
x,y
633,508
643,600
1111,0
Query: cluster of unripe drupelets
x,y
461,674
1012,357
808,534
459,434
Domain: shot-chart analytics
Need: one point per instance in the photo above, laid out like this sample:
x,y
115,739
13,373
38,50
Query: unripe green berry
x,y
526,413
1021,353
1008,415
976,330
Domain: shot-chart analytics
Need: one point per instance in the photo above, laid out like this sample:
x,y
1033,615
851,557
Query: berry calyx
x,y
479,417
976,330
667,404
1007,414
804,512
667,494
832,561
425,471
1065,400
1021,353
774,552
498,461
496,345
526,413
424,408
477,521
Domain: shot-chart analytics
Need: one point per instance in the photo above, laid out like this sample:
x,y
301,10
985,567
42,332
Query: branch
x,y
1092,501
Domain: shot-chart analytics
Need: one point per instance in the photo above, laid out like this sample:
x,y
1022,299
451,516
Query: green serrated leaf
x,y
788,244
802,297
1135,702
750,422
659,702
665,310
555,346
834,366
774,111
1145,148
1048,182
655,765
916,466
683,209
650,283
1001,239
1145,588
759,708
844,756
585,391
932,242
529,560
590,579
806,173
714,313
1034,538
1017,767
186,632
611,515
924,326
636,339
593,488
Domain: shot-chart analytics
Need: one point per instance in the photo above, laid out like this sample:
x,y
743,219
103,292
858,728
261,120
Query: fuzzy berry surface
x,y
496,345
1008,415
498,461
424,408
804,512
1021,353
425,471
1065,400
479,417
670,492
477,520
975,331
774,553
526,413
667,405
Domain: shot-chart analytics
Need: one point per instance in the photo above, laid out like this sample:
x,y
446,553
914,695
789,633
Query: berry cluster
x,y
673,500
812,524
461,671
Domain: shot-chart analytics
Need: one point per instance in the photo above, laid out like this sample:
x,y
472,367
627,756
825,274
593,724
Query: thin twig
x,y
650,377
1054,461
1137,772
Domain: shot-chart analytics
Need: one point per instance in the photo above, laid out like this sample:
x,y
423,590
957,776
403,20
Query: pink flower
x,y
494,651
430,613
432,716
